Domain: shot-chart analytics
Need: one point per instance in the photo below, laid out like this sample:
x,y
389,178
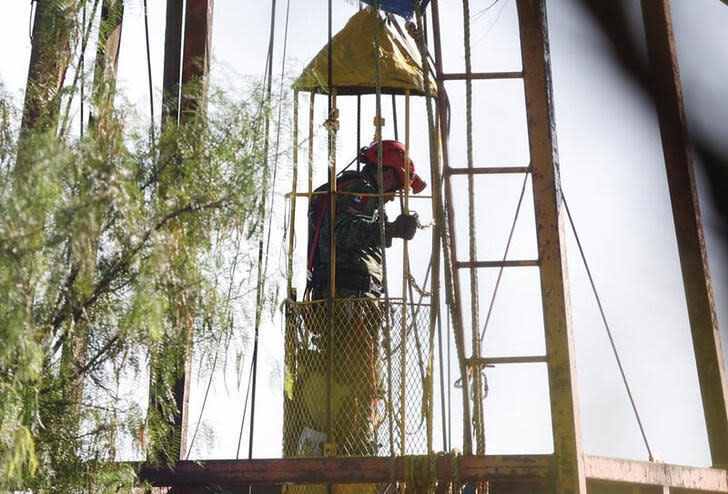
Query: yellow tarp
x,y
354,60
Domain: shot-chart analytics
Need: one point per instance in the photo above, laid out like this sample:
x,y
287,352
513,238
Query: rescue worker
x,y
357,229
356,310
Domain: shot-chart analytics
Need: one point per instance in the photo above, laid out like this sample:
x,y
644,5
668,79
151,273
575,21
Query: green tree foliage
x,y
99,237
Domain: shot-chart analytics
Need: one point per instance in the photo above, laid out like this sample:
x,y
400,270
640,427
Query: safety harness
x,y
317,210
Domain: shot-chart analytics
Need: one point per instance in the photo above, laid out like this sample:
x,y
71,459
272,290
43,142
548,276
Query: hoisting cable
x,y
473,250
609,331
82,69
380,181
261,276
440,212
204,403
394,117
505,256
31,17
245,409
277,144
442,381
84,42
331,175
149,75
233,270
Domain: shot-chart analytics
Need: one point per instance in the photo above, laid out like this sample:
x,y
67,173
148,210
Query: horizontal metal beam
x,y
522,359
496,264
487,170
504,470
661,474
462,76
231,473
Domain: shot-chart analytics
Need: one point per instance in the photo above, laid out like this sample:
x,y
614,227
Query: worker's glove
x,y
404,226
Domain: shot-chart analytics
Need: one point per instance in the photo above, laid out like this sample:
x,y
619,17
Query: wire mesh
x,y
344,383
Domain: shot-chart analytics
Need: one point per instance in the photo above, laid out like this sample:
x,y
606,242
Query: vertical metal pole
x,y
196,57
170,107
457,319
667,90
172,57
565,421
310,140
195,71
294,190
406,271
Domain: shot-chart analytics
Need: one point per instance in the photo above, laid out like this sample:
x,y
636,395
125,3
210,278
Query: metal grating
x,y
361,400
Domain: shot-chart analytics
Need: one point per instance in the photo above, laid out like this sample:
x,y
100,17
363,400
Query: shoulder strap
x,y
321,207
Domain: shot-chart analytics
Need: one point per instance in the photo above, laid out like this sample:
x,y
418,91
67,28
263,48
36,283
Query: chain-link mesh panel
x,y
355,381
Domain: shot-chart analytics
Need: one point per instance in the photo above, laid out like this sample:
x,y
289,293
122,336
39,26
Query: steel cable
x,y
609,331
505,255
149,75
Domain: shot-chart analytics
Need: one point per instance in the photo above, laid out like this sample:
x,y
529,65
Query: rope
x,y
382,236
609,331
149,73
505,255
440,214
477,397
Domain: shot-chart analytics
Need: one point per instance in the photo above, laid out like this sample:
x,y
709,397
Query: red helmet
x,y
393,157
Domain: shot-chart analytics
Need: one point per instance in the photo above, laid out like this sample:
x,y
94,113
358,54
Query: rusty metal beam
x,y
197,56
667,91
570,478
195,64
480,76
489,170
193,98
657,474
231,473
172,57
497,264
505,473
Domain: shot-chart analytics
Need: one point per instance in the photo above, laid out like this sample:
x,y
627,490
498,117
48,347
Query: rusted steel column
x,y
665,78
197,56
195,71
193,97
172,57
549,233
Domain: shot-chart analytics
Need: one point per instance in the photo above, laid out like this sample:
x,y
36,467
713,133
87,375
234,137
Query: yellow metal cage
x,y
356,380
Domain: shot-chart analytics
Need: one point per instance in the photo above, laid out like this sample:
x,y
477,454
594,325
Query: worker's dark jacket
x,y
358,239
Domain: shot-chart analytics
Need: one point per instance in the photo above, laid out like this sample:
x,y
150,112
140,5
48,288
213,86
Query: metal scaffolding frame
x,y
568,470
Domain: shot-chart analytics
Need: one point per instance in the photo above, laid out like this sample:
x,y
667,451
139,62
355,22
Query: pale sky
x,y
613,177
